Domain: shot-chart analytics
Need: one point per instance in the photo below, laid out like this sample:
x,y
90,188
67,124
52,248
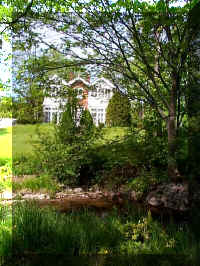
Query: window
x,y
94,92
80,93
98,115
47,116
101,92
107,93
94,115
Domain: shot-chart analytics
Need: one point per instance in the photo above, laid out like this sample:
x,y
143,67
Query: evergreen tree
x,y
66,128
118,111
86,120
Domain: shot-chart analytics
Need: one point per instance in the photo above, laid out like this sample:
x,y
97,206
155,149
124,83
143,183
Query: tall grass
x,y
84,233
39,233
5,231
46,231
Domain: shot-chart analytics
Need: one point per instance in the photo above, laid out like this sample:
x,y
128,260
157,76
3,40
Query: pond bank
x,y
165,199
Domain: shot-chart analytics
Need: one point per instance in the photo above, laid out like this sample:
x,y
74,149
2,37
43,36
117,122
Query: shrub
x,y
65,153
36,183
26,165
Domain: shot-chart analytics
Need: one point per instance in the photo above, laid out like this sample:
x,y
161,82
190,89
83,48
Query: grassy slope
x,y
23,135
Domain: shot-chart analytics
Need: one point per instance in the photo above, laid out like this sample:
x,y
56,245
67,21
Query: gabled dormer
x,y
102,88
81,86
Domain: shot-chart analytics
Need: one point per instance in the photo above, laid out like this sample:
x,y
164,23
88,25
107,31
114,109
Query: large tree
x,y
144,48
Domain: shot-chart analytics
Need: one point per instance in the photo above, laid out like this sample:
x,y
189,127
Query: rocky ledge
x,y
178,197
173,196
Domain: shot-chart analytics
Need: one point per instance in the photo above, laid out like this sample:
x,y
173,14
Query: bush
x,y
26,165
65,153
36,183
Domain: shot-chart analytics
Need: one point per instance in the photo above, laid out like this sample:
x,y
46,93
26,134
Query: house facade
x,y
93,96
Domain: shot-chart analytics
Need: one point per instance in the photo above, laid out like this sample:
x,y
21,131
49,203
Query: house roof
x,y
88,84
71,82
104,80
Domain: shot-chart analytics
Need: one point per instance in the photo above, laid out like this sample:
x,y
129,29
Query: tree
x,y
141,47
29,89
193,102
118,111
86,121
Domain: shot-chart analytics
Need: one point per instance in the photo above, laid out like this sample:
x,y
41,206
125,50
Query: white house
x,y
94,96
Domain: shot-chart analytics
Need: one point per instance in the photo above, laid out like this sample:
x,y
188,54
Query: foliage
x,y
86,121
118,111
5,177
5,107
66,129
147,56
142,183
57,159
26,112
29,88
26,165
143,47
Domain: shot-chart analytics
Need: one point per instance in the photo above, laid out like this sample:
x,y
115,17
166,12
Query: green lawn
x,y
24,135
6,143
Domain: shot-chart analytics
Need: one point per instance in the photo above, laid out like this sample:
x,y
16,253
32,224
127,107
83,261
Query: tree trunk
x,y
171,129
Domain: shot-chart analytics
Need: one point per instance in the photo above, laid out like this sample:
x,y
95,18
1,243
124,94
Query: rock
x,y
172,196
155,202
77,190
36,196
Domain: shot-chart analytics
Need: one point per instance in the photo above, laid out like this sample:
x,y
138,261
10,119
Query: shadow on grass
x,y
3,131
